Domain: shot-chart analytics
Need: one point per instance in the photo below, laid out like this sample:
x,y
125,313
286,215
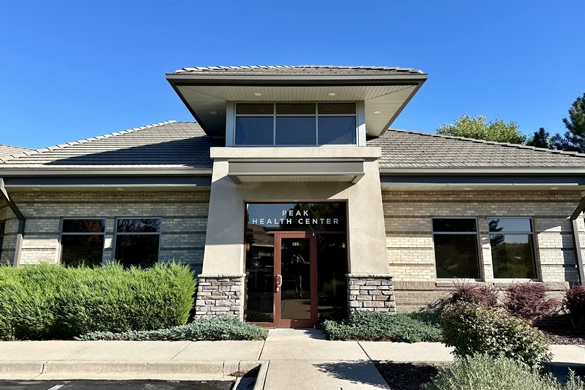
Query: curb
x,y
195,370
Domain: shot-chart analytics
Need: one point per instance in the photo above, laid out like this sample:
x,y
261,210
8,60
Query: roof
x,y
163,145
171,144
301,70
6,151
411,149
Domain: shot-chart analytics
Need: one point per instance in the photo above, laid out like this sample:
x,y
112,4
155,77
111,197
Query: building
x,y
293,199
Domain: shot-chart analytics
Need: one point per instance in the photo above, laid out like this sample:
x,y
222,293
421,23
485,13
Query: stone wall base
x,y
220,296
370,292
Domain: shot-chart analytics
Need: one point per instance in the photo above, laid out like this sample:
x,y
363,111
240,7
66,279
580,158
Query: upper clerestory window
x,y
295,124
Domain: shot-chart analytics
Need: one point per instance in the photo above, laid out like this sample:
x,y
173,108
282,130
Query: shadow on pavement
x,y
359,372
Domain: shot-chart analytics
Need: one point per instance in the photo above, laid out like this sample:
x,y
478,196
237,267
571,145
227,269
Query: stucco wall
x,y
184,221
410,242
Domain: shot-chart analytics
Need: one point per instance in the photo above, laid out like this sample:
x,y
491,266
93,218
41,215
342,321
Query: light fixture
x,y
343,245
467,188
377,112
257,94
213,112
554,188
36,189
120,189
331,94
247,247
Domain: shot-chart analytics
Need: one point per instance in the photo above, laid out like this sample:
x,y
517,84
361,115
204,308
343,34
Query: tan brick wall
x,y
184,220
410,242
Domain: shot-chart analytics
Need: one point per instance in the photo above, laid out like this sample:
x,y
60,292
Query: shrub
x,y
574,303
475,329
50,301
481,295
496,373
199,330
528,301
375,326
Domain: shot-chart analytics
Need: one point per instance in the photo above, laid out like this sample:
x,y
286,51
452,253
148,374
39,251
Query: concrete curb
x,y
195,370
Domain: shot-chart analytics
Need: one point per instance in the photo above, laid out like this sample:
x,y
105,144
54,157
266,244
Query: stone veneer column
x,y
371,292
220,296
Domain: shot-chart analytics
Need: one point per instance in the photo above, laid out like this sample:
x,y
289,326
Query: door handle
x,y
278,282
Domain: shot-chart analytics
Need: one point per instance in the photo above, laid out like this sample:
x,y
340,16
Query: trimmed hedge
x,y
475,329
213,329
375,326
496,373
45,301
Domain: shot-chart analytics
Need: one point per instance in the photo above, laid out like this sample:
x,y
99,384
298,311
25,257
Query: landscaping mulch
x,y
564,335
407,376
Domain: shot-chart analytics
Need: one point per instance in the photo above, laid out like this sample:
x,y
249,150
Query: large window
x,y
512,244
137,241
290,124
456,247
82,242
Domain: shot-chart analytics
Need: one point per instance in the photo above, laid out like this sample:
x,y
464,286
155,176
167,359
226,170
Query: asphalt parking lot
x,y
116,385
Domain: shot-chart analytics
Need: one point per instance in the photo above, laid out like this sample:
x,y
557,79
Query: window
x,y
2,227
456,247
290,124
82,242
512,244
137,241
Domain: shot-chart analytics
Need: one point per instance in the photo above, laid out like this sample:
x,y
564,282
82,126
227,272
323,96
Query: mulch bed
x,y
407,376
564,335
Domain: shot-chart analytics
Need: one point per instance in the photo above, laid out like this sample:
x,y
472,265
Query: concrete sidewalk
x,y
295,359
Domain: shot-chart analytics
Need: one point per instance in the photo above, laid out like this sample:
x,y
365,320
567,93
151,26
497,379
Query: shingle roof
x,y
301,70
162,145
184,145
411,149
7,151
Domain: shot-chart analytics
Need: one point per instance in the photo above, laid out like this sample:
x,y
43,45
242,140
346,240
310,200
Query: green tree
x,y
541,139
574,138
477,128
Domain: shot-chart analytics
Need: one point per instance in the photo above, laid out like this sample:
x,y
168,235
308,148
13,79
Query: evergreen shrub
x,y
475,329
213,329
496,373
54,302
376,326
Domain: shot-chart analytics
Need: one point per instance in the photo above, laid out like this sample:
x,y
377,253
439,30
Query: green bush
x,y
55,302
475,329
375,326
496,373
199,330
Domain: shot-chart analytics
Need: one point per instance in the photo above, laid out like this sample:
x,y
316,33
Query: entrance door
x,y
295,280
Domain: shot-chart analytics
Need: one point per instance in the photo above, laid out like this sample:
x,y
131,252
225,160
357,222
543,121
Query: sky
x,y
71,70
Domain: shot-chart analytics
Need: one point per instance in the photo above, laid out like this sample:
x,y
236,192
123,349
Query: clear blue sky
x,y
75,69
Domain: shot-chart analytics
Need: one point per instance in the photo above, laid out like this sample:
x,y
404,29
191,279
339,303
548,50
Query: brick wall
x,y
410,241
184,221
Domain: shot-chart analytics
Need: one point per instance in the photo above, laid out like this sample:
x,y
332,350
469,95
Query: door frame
x,y
292,323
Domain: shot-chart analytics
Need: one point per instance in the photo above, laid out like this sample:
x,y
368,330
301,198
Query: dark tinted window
x,y
512,247
456,256
84,226
336,108
297,109
337,130
138,225
254,109
295,130
77,250
137,250
254,131
454,225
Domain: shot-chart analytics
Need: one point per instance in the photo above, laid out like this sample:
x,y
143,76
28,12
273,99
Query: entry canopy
x,y
384,90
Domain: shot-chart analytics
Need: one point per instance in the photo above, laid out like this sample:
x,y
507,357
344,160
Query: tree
x,y
477,128
574,138
541,139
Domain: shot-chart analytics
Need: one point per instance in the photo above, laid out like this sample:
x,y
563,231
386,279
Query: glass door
x,y
295,292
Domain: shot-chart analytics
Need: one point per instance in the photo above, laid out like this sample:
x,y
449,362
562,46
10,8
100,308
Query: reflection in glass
x,y
512,255
456,256
337,130
454,225
260,277
77,250
84,225
147,225
505,225
295,130
296,279
331,279
137,250
254,131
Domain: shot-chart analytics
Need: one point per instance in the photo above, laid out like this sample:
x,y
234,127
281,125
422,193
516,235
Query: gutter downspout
x,y
21,222
576,241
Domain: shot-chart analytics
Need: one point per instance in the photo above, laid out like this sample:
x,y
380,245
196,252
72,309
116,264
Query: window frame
x,y
480,276
535,258
61,234
316,115
116,233
2,235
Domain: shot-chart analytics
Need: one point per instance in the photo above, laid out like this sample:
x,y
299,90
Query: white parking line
x,y
56,387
